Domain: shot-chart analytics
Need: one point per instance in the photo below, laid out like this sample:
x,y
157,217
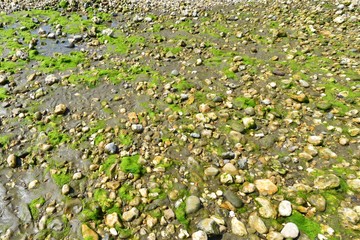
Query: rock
x,y
88,233
301,98
315,140
265,187
326,153
51,79
285,208
327,181
354,184
199,235
230,168
290,230
349,215
33,184
274,236
248,122
339,19
111,148
108,32
174,72
56,225
278,72
257,223
226,178
209,226
193,204
65,189
130,215
3,79
137,128
228,155
211,171
11,161
324,105
237,227
169,214
204,108
318,201
266,209
60,109
233,198
112,219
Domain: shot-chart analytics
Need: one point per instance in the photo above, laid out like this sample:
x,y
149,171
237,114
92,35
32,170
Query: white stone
x,y
285,208
237,227
199,235
290,230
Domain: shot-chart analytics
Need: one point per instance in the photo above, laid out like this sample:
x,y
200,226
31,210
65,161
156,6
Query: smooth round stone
x,y
237,227
290,230
318,201
327,181
285,208
137,128
233,198
11,160
209,226
175,72
199,235
111,148
193,204
211,171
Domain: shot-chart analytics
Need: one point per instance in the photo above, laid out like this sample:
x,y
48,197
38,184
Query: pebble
x,y
209,226
211,171
257,223
131,214
65,189
248,122
88,233
265,187
233,198
237,227
290,230
354,184
199,235
285,208
11,161
60,109
266,210
327,181
51,79
33,184
112,219
274,236
228,155
137,128
3,79
111,148
193,204
315,140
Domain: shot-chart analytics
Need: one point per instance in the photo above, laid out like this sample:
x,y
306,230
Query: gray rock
x,y
56,225
318,201
290,230
233,198
349,215
11,160
175,72
137,128
195,135
327,181
228,155
51,79
111,148
3,79
193,204
209,226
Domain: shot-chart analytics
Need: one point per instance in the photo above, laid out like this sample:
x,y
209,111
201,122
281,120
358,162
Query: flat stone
x,y
318,201
257,223
285,208
315,140
209,226
290,230
233,198
237,227
193,204
327,181
112,219
60,109
265,187
266,210
130,215
354,184
211,171
88,233
199,235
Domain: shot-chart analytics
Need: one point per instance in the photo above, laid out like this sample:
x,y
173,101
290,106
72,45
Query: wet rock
x,y
230,168
209,226
111,148
324,105
112,219
199,235
233,198
266,209
193,204
211,171
290,230
349,215
237,227
3,79
65,190
56,225
248,122
11,161
274,236
137,128
265,187
327,181
228,155
88,233
60,109
131,214
257,223
318,201
285,208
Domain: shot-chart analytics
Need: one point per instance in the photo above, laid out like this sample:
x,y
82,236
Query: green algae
x,y
34,206
180,215
310,227
61,178
131,165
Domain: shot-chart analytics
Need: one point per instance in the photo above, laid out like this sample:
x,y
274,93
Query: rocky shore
x,y
179,120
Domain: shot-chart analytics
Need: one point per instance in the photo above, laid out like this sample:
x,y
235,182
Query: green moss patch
x,y
131,165
34,206
61,178
181,215
306,225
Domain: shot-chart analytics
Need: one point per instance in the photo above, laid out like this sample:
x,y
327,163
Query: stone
x,y
33,184
209,226
310,149
339,19
325,106
315,140
230,168
111,148
130,215
65,189
60,109
349,215
327,181
211,171
112,219
233,198
51,79
193,204
265,187
169,214
226,178
248,122
228,155
318,201
290,230
326,153
137,128
11,161
199,235
257,223
237,227
274,236
88,233
285,208
266,210
3,79
354,184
